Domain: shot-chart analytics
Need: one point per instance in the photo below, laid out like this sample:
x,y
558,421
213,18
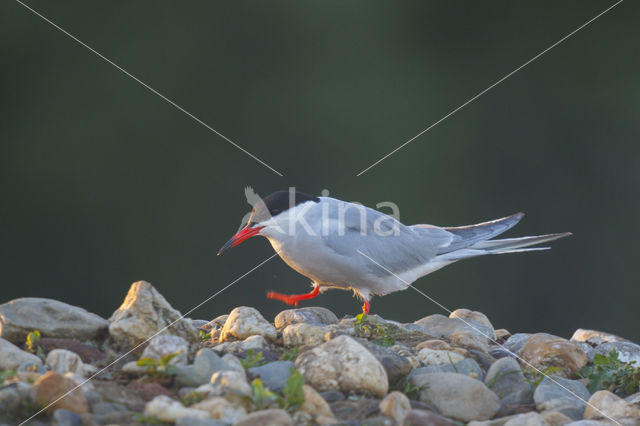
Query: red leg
x,y
293,299
366,307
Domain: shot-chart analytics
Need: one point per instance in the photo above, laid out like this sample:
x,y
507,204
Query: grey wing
x,y
381,245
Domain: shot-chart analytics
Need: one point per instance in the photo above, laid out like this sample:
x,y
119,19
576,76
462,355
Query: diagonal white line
x,y
139,345
491,87
146,86
449,311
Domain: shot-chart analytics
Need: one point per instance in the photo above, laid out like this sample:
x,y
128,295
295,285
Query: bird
x,y
348,246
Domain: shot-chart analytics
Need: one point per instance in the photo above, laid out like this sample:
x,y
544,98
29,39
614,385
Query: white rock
x,y
244,322
303,334
166,344
343,364
144,313
315,404
221,408
52,318
604,403
62,360
231,380
395,405
253,342
456,395
85,385
234,363
168,410
12,356
438,357
133,368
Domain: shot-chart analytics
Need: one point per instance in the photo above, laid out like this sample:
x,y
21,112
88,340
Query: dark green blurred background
x,y
104,183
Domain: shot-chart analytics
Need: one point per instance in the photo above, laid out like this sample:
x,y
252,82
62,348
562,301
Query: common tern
x,y
338,244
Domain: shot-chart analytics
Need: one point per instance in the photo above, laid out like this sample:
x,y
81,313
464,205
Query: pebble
x,y
62,360
418,417
11,356
230,380
62,417
273,375
271,417
221,409
148,391
233,362
543,351
312,315
52,386
343,364
87,353
193,421
627,351
460,320
595,337
428,356
505,379
396,366
302,334
395,405
52,318
470,340
169,410
166,344
315,404
245,322
332,396
145,312
535,419
456,395
9,399
550,396
604,403
467,367
252,342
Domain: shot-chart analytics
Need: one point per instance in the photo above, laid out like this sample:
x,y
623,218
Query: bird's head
x,y
266,214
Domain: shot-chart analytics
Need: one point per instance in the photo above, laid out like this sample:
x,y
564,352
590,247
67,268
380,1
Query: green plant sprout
x,y
252,359
290,354
377,333
609,373
156,368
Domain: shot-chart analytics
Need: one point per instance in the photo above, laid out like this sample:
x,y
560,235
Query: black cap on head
x,y
278,202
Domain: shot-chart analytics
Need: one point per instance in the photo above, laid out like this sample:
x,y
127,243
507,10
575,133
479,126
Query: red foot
x,y
366,307
293,299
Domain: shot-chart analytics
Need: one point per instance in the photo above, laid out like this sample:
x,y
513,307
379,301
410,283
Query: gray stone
x,y
52,318
102,407
418,417
396,366
343,364
559,394
627,351
273,375
9,399
516,342
245,322
193,421
11,356
166,344
332,396
31,366
312,315
206,363
460,320
457,396
506,379
467,367
271,417
62,417
144,313
256,343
